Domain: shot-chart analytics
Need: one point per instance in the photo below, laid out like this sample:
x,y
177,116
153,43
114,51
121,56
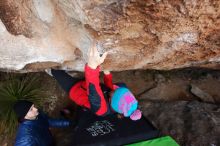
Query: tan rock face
x,y
140,34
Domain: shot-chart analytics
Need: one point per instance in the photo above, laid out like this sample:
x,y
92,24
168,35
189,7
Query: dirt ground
x,y
181,103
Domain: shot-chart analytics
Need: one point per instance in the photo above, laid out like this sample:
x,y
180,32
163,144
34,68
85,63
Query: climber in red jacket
x,y
101,99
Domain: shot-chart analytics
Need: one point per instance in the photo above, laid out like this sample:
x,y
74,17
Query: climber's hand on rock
x,y
94,58
106,72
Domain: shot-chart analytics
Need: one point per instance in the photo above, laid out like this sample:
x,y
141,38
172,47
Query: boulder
x,y
139,34
201,94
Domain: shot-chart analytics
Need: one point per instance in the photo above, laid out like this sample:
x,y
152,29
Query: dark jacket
x,y
36,132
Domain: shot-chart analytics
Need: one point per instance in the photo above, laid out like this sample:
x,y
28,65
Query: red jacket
x,y
88,93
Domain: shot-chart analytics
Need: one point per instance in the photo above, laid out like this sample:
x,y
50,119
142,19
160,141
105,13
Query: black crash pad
x,y
110,130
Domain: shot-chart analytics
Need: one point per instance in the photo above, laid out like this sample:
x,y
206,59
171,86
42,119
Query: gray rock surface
x,y
201,94
190,123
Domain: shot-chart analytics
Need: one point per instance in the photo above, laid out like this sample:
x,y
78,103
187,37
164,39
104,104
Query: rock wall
x,y
188,122
139,34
